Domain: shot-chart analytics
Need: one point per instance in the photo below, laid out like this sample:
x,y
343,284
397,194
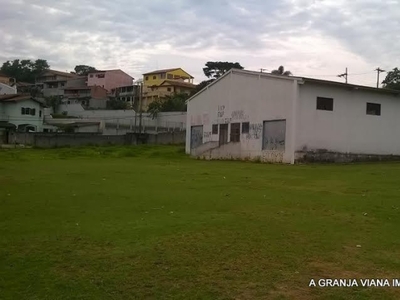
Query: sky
x,y
313,38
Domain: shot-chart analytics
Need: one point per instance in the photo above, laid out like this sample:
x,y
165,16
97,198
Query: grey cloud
x,y
125,32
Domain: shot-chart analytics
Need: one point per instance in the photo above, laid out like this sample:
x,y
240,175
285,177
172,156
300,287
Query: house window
x,y
68,102
40,113
22,110
235,132
215,129
154,77
245,127
147,78
324,103
33,112
170,76
373,109
100,75
91,75
163,75
27,111
168,89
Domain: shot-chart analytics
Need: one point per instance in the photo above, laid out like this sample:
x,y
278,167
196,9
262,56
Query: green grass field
x,y
151,223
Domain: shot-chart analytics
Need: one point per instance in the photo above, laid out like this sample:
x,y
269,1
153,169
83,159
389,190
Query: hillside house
x,y
109,79
272,118
21,113
161,83
52,82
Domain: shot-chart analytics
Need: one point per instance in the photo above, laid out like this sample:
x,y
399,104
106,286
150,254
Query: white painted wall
x,y
13,112
244,97
347,128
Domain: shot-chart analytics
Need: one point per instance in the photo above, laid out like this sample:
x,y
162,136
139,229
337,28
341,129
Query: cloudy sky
x,y
316,38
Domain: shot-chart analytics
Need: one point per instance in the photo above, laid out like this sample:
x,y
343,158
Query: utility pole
x,y
378,70
136,101
344,75
140,106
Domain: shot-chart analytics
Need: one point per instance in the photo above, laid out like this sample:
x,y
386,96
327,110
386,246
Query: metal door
x,y
223,134
196,136
274,135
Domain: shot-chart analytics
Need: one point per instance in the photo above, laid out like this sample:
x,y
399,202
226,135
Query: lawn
x,y
150,223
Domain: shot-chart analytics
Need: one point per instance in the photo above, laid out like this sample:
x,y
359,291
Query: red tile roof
x,y
19,97
165,71
179,83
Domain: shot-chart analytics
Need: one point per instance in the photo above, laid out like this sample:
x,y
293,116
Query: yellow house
x,y
166,88
161,83
158,76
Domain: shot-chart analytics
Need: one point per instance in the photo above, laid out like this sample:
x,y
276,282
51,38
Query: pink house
x,y
109,79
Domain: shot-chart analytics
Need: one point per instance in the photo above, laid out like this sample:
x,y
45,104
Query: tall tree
x,y
392,80
24,70
83,70
281,71
215,69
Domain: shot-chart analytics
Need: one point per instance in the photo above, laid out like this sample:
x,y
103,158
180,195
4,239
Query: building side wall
x,y
347,129
239,98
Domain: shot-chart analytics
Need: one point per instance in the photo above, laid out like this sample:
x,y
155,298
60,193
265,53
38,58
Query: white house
x,y
252,115
21,112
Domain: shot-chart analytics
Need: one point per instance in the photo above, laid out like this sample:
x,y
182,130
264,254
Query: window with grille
x,y
215,129
245,127
325,103
373,109
235,132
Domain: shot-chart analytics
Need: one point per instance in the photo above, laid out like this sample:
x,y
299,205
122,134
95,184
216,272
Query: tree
x,y
83,70
392,80
215,69
281,71
24,70
201,86
116,104
54,102
175,102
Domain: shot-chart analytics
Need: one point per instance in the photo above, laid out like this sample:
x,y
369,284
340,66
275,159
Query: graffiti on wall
x,y
207,135
221,111
255,131
239,115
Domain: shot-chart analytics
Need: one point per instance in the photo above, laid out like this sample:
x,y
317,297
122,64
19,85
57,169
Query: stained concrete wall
x,y
240,97
51,140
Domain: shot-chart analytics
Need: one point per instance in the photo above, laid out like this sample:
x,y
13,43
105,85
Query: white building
x,y
252,115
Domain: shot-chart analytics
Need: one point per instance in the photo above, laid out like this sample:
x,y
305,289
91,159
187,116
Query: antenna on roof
x,y
344,75
379,70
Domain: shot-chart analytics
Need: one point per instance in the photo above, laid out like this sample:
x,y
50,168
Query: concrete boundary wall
x,y
53,140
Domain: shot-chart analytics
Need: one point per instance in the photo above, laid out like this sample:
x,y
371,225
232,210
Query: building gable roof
x,y
113,70
166,71
19,97
300,80
54,72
